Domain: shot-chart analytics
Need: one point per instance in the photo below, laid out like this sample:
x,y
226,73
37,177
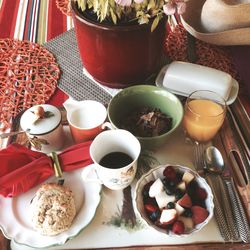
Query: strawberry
x,y
168,216
169,173
178,227
201,193
185,201
150,208
199,214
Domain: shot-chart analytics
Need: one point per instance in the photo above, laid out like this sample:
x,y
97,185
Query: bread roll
x,y
53,209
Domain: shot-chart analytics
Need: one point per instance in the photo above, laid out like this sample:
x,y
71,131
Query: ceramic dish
x,y
157,172
134,98
15,219
183,78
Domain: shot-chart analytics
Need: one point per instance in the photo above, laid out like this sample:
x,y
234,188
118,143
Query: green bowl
x,y
136,97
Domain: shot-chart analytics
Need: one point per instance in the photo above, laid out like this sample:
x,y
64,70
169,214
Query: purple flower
x,y
181,7
174,6
124,2
169,8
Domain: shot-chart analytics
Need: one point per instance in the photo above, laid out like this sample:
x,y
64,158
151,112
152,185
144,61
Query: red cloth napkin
x,y
21,168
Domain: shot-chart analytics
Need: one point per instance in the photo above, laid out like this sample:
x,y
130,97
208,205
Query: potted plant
x,y
121,41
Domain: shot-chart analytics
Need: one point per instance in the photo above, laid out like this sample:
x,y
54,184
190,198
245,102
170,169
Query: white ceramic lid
x,y
183,78
44,125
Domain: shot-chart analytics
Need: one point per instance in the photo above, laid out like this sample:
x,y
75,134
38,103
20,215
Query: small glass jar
x,y
43,127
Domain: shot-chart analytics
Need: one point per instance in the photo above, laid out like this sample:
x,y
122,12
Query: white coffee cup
x,y
113,142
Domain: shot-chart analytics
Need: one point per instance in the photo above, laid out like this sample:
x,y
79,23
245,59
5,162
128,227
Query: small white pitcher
x,y
85,118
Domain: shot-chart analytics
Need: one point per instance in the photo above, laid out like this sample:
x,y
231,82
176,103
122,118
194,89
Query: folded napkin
x,y
21,168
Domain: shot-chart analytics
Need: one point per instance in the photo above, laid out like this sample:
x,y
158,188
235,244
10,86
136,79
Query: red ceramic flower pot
x,y
119,56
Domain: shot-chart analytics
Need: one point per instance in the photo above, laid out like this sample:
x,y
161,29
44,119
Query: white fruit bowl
x,y
156,173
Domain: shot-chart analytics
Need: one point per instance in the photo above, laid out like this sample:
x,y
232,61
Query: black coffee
x,y
115,160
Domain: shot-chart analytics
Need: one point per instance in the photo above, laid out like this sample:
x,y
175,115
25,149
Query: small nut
x,y
39,111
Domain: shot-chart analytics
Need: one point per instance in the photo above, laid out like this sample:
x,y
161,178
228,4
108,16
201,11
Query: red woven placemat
x,y
28,76
176,47
64,6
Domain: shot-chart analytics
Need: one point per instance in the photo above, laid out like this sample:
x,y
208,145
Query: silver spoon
x,y
213,159
216,183
215,164
5,135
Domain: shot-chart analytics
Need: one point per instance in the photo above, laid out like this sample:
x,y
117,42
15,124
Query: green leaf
x,y
104,9
82,4
96,6
155,23
48,114
113,16
139,13
90,4
151,5
37,142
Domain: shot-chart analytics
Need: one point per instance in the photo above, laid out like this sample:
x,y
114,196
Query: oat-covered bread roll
x,y
53,209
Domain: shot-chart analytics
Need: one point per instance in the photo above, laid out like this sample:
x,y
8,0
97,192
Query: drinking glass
x,y
204,114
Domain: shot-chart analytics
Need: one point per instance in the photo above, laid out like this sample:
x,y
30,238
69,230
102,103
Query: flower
x,y
172,7
124,2
126,11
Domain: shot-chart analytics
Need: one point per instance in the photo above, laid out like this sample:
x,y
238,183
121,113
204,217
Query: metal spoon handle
x,y
5,135
219,215
240,216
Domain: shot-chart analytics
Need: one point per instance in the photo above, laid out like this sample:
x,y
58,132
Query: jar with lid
x,y
43,127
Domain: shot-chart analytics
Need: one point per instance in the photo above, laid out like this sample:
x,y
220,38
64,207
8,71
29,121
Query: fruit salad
x,y
175,202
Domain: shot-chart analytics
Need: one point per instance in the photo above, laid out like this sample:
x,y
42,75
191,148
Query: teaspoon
x,y
5,135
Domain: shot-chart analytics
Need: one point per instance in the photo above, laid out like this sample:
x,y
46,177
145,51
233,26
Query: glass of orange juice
x,y
204,115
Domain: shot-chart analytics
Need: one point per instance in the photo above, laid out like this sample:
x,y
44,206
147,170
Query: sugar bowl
x,y
42,124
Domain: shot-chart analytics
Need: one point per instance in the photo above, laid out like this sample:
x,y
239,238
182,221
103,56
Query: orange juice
x,y
202,119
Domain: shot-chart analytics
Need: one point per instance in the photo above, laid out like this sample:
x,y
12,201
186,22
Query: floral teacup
x,y
115,154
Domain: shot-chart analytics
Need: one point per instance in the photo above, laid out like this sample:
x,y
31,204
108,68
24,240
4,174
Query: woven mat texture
x,y
72,80
28,76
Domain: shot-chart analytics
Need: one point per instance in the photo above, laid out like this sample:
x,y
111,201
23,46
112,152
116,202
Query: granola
x,y
147,122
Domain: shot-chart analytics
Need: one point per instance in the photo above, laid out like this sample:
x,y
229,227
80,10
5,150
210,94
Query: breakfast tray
x,y
116,223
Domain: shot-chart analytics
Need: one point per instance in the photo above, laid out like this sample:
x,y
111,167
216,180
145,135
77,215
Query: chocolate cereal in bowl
x,y
174,200
150,113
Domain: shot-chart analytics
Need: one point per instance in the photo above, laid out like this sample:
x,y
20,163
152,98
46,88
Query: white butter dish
x,y
183,78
